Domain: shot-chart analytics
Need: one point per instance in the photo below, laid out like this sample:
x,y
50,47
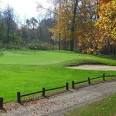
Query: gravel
x,y
59,104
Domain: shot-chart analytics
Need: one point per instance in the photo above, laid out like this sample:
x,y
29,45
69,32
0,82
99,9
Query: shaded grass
x,y
28,71
105,107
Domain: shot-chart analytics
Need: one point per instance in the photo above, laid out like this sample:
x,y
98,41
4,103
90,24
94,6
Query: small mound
x,y
94,67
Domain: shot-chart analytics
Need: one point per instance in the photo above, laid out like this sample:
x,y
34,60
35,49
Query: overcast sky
x,y
26,8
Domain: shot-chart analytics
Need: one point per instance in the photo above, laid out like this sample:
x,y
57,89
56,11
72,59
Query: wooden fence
x,y
89,80
65,87
1,103
42,92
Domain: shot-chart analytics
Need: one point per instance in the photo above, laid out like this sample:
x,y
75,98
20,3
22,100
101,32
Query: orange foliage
x,y
105,1
106,24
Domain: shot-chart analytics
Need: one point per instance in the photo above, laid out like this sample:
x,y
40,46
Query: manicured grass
x,y
106,107
49,57
28,71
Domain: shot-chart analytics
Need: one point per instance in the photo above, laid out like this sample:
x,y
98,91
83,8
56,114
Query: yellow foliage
x,y
62,24
91,34
107,21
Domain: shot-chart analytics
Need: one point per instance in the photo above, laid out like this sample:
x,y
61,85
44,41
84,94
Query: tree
x,y
75,22
8,21
32,23
63,21
106,24
9,28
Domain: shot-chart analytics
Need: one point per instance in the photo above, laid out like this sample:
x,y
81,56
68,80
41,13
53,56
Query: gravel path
x,y
57,105
94,67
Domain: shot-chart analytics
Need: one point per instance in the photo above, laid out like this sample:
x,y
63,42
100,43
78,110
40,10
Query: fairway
x,y
28,71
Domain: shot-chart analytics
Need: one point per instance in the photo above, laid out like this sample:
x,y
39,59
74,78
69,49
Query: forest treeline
x,y
87,26
33,34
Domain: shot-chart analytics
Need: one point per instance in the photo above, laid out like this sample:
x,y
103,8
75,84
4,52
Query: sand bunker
x,y
94,67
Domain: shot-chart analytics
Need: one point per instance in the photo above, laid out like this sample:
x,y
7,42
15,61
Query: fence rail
x,y
43,92
55,88
81,82
103,77
66,87
31,93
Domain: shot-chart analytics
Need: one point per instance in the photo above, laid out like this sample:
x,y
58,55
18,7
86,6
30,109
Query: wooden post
x,y
104,77
43,92
73,85
1,103
67,86
18,97
89,81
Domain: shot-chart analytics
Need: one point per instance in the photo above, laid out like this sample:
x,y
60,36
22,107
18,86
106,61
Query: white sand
x,y
94,67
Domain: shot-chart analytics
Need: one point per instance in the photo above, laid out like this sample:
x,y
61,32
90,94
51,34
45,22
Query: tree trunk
x,y
73,26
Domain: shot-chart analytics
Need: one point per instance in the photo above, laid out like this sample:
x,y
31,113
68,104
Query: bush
x,y
40,46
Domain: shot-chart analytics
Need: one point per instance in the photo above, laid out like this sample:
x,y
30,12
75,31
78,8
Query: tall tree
x,y
73,24
10,27
107,24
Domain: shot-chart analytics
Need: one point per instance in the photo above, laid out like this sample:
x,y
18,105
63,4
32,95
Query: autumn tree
x,y
75,22
89,24
106,25
64,23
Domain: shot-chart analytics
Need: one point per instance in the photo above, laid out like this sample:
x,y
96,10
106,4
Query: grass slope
x,y
106,107
28,71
